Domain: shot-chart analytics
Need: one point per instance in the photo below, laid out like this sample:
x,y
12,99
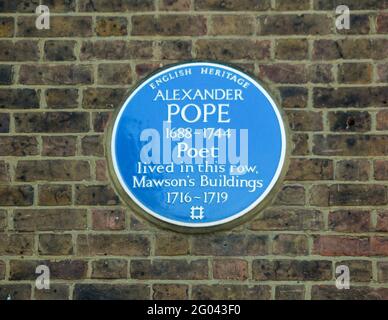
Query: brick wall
x,y
58,88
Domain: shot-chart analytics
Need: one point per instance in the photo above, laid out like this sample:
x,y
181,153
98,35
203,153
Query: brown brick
x,y
355,73
291,49
61,98
327,292
22,6
231,292
241,5
174,5
310,169
56,292
113,244
382,72
93,146
111,291
232,25
169,269
6,74
137,224
55,244
381,169
294,97
300,144
379,246
102,98
101,170
230,245
290,245
359,24
7,28
55,74
382,221
16,244
15,291
2,270
293,5
284,73
175,49
54,195
355,170
349,121
144,69
218,49
168,25
291,24
300,120
115,5
16,195
357,97
319,195
291,195
95,195
289,292
100,121
170,291
120,73
60,6
22,50
230,269
4,122
291,270
109,269
357,195
349,221
354,5
61,269
382,120
3,220
321,73
116,50
66,26
19,99
52,170
49,219
4,172
288,219
360,270
382,23
104,219
111,26
350,49
169,244
18,146
380,49
382,271
350,145
325,50
59,146
59,50
341,246
52,122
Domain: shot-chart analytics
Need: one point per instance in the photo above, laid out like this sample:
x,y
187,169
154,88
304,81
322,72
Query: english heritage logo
x,y
198,145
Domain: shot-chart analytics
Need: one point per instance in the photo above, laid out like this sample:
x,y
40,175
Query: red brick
x,y
230,269
104,219
349,221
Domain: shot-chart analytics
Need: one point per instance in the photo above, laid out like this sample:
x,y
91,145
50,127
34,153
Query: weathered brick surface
x,y
59,89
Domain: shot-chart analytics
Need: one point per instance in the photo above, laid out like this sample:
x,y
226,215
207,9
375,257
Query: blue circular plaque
x,y
198,144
